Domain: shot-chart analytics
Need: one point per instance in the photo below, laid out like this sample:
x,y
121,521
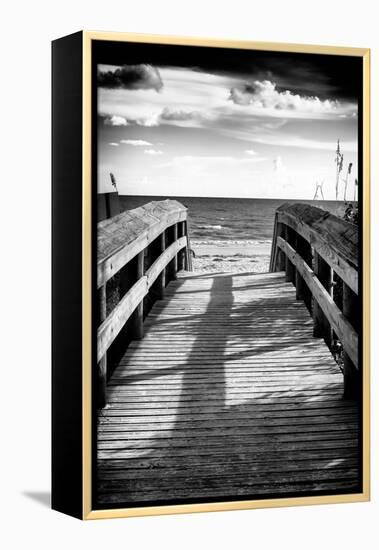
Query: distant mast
x,y
339,165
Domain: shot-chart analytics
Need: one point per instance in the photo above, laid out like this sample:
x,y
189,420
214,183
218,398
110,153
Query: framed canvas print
x,y
210,275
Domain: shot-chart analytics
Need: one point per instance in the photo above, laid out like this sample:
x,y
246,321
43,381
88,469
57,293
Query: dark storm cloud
x,y
326,76
131,77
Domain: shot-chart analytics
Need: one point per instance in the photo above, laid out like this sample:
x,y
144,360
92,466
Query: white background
x,y
26,31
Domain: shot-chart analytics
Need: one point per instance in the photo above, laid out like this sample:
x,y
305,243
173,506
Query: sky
x,y
211,122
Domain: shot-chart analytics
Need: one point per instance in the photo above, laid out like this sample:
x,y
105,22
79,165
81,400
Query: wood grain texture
x,y
228,395
333,238
112,325
122,237
339,322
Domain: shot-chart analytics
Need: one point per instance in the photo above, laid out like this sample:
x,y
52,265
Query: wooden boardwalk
x,y
228,395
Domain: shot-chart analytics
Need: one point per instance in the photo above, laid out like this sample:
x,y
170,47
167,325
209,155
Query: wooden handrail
x,y
311,244
112,325
333,238
156,236
122,237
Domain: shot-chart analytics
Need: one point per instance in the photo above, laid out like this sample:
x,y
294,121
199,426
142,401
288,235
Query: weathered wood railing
x,y
319,253
142,249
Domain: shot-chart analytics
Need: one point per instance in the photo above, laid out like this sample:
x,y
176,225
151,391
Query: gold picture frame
x,y
87,510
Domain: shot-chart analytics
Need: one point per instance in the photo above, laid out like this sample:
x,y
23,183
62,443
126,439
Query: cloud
x,y
115,120
151,119
287,140
136,142
179,114
152,152
131,77
264,95
177,117
198,162
114,144
187,99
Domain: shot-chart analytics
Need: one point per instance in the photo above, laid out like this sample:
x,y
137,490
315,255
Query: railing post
x,y
303,248
188,249
280,256
290,268
352,386
187,259
321,327
161,280
181,254
102,366
137,315
172,267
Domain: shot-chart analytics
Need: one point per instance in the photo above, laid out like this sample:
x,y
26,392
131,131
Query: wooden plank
x,y
340,324
137,315
253,480
125,497
127,234
214,453
281,400
271,459
179,469
132,300
228,393
322,326
333,238
101,397
182,254
173,265
110,328
269,439
290,237
352,379
164,259
188,423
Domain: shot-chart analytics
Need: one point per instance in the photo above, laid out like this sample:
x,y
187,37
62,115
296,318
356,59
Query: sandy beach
x,y
216,256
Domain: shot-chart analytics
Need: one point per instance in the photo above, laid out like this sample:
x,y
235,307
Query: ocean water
x,y
226,219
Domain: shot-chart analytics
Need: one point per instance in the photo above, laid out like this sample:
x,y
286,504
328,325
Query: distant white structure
x,y
319,186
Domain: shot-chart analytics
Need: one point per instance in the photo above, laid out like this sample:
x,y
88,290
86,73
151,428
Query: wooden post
x,y
281,257
102,366
173,265
188,249
137,316
321,327
181,254
161,280
352,385
187,261
290,268
304,249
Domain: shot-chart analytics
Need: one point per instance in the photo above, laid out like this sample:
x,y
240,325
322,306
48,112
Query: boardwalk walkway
x,y
228,395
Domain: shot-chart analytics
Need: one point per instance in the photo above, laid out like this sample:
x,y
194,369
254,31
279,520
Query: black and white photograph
x,y
228,304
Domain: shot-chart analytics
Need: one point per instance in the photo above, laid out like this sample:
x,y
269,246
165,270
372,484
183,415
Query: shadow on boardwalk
x,y
228,396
